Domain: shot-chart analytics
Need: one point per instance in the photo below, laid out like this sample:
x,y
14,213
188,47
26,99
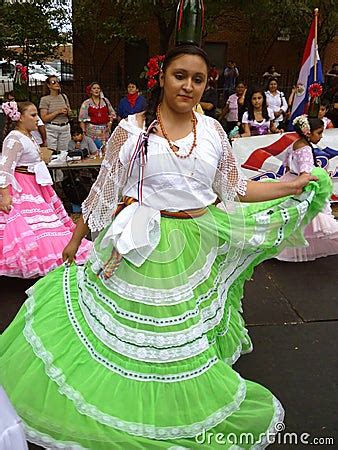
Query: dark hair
x,y
76,129
240,82
314,123
132,82
46,89
325,102
269,81
9,93
251,113
95,82
11,124
156,94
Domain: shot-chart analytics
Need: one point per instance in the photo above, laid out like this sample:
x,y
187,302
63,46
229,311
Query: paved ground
x,y
292,313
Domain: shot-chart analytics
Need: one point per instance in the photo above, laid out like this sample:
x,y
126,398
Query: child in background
x,y
74,186
324,107
322,233
80,142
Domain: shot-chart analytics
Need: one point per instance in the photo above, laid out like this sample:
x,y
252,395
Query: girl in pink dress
x,y
322,233
34,226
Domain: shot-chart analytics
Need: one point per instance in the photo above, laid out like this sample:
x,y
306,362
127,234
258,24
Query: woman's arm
x,y
273,128
49,117
79,233
5,200
247,132
258,191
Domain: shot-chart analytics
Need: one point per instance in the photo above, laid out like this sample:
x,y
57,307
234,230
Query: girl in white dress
x,y
322,233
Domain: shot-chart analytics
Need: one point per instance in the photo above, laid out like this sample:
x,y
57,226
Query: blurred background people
x,y
230,75
323,110
258,119
213,76
271,72
276,101
209,101
55,112
97,115
132,103
234,108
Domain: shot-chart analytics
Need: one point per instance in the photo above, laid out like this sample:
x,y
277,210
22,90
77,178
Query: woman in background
x,y
258,119
97,115
276,101
133,103
55,112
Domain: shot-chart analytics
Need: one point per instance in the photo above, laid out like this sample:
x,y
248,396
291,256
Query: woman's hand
x,y
5,203
69,252
301,181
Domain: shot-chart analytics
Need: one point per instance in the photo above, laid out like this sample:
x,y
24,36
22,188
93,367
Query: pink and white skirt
x,y
35,232
321,235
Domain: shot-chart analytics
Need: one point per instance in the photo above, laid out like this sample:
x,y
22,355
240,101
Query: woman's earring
x,y
161,79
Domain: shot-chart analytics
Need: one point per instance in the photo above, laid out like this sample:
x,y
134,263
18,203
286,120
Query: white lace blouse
x,y
169,183
19,150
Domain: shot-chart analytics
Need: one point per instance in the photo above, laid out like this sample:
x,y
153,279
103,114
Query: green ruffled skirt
x,y
143,360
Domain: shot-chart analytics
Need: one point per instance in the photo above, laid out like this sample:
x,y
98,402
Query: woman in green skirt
x,y
134,350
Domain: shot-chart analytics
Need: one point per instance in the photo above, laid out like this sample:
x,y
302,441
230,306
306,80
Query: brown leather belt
x,y
188,214
23,169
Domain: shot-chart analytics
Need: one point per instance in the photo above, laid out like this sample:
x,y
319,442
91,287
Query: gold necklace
x,y
165,135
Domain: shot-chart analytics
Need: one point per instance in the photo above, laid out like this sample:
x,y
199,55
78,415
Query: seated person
x,y
79,141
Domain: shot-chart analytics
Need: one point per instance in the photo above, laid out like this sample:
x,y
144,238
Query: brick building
x,y
120,61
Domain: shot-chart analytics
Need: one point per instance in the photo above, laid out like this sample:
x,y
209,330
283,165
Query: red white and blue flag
x,y
306,76
262,157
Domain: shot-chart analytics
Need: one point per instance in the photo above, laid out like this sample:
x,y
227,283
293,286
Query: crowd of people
x,y
133,346
253,110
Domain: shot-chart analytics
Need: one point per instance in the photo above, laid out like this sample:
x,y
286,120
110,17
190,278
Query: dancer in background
x,y
96,115
322,233
34,226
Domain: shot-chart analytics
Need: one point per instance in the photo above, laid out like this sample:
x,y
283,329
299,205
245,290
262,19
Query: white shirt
x,y
258,128
169,183
276,102
172,183
19,150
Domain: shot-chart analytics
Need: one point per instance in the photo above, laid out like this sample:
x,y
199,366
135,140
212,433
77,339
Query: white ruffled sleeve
x,y
99,206
229,181
11,151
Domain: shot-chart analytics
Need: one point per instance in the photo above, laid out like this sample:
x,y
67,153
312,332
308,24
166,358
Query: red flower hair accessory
x,y
315,90
152,70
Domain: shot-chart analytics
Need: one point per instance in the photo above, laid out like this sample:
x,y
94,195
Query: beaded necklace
x,y
165,135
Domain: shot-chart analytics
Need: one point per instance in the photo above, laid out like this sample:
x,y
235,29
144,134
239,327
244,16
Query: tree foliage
x,y
38,28
268,19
